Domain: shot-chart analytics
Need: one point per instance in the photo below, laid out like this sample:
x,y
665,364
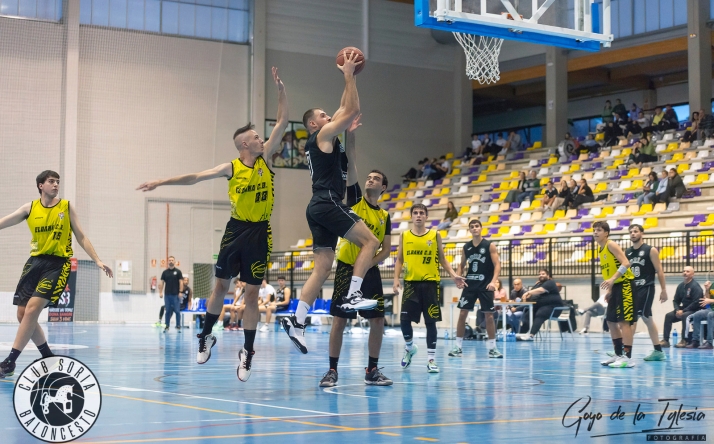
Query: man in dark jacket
x,y
686,302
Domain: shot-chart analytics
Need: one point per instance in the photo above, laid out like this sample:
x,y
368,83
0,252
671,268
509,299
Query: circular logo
x,y
57,399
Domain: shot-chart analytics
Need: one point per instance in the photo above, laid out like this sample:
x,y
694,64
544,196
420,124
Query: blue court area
x,y
155,392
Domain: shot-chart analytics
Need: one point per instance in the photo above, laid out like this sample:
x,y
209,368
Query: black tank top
x,y
328,170
641,265
479,263
280,295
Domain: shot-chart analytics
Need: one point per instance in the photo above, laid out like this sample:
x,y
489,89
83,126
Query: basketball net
x,y
481,57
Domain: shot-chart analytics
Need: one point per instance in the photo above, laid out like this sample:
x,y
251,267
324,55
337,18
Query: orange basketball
x,y
348,50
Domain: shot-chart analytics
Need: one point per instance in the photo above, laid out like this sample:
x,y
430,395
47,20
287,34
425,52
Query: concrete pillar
x,y
463,105
699,53
259,71
649,99
68,144
556,95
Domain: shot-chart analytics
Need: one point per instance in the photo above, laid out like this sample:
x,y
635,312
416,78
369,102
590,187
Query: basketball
x,y
348,50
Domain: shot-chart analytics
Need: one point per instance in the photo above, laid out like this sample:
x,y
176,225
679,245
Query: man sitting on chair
x,y
546,296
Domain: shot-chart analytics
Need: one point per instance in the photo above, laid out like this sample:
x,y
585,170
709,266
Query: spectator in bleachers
x,y
597,309
573,190
607,112
501,142
676,185
512,195
642,119
632,128
686,302
584,195
427,168
413,172
550,195
635,112
546,295
491,148
590,145
619,108
644,150
476,145
705,314
658,122
532,187
563,194
566,147
611,132
691,134
662,192
648,191
513,143
620,120
451,215
670,116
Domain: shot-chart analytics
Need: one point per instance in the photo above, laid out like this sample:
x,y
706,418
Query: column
x,y
463,105
699,52
556,95
68,151
258,68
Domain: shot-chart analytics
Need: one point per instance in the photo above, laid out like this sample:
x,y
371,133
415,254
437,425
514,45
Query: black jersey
x,y
184,297
641,265
280,295
480,267
328,170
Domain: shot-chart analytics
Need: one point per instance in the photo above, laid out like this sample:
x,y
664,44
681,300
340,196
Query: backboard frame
x,y
525,29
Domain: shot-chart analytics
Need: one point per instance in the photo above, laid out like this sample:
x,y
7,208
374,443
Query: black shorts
x,y
469,297
421,297
371,289
245,251
43,276
328,219
644,296
621,306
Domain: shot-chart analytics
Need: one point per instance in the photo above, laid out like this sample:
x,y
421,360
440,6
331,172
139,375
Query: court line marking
x,y
427,439
388,434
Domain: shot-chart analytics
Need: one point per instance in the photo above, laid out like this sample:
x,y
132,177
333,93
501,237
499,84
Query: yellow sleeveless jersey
x,y
376,220
50,228
421,256
251,191
609,265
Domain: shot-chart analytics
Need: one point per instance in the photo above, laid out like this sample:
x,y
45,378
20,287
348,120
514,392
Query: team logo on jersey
x,y
482,250
642,253
260,172
604,255
61,215
428,243
57,399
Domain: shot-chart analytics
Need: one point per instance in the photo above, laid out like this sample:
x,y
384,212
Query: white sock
x,y
459,341
431,354
491,343
408,345
355,284
301,311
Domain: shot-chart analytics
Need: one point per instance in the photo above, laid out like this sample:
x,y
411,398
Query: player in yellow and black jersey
x,y
247,241
618,288
377,220
51,221
420,253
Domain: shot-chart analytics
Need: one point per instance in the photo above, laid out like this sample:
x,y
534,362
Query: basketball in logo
x,y
57,399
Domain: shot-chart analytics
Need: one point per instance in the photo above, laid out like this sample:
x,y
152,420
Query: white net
x,y
481,57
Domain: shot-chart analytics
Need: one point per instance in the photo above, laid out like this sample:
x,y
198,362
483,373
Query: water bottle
x,y
277,325
446,334
674,336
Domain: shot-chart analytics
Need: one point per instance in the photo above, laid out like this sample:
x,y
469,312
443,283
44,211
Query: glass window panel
x,y
580,128
117,13
614,18
652,15
680,14
46,9
237,29
8,7
682,111
169,18
58,10
28,8
711,8
85,12
625,7
203,22
666,14
220,3
135,14
152,16
100,12
238,4
219,24
187,19
639,14
203,2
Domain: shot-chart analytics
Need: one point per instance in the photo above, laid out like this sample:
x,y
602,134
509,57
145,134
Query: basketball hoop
x,y
481,56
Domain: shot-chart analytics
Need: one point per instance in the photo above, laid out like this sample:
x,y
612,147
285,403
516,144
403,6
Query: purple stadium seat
x,y
697,250
706,167
536,243
434,223
583,227
515,243
492,231
525,229
626,198
582,212
395,225
696,220
697,193
503,218
391,205
514,206
438,182
518,156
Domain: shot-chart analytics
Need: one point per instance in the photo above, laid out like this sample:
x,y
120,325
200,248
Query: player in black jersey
x,y
327,217
480,265
645,263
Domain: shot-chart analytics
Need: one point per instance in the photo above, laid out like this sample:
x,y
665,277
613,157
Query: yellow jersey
x,y
376,219
421,256
609,265
50,228
251,191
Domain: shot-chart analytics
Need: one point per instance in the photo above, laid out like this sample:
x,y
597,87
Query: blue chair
x,y
202,305
293,305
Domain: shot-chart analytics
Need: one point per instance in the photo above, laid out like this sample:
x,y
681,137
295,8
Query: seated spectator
x,y
648,191
560,199
607,112
644,151
706,125
512,195
532,187
573,190
676,185
686,302
641,119
620,120
619,108
658,122
513,143
282,297
589,145
427,168
566,147
550,195
671,118
546,296
451,215
413,172
597,309
265,294
632,128
585,195
500,141
705,314
635,112
476,145
236,308
691,134
662,192
612,133
491,148
515,314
